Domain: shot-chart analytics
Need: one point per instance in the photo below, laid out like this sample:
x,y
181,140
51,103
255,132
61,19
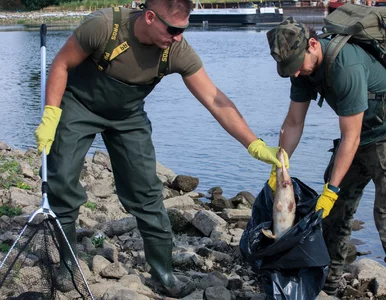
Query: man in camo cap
x,y
357,95
288,44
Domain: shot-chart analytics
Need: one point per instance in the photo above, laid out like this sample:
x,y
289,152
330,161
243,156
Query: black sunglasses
x,y
172,30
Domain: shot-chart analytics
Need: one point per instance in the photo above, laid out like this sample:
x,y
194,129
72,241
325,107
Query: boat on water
x,y
234,13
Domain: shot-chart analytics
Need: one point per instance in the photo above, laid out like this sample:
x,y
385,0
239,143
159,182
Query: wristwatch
x,y
333,188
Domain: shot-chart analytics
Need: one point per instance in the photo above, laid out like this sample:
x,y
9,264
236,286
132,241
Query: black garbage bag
x,y
294,284
295,266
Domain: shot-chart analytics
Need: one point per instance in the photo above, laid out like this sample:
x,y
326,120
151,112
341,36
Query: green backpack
x,y
362,25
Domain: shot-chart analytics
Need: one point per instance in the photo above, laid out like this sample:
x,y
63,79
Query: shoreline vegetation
x,y
66,13
72,13
40,17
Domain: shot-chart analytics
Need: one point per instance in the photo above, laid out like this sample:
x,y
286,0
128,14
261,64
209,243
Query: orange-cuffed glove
x,y
326,201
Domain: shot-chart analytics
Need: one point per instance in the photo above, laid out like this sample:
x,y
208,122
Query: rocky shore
x,y
207,229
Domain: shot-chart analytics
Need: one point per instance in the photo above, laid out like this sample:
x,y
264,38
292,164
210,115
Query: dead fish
x,y
284,206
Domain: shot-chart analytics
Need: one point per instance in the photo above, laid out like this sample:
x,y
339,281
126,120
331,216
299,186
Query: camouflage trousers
x,y
369,164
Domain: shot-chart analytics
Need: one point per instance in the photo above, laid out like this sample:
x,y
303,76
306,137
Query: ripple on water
x,y
187,139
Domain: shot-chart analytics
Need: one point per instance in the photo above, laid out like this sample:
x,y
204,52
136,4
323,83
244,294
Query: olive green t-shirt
x,y
139,64
354,73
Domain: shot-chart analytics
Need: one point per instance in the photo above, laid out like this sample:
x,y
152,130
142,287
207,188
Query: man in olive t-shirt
x,y
97,84
357,96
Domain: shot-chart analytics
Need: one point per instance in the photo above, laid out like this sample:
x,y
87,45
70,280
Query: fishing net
x,y
40,264
35,268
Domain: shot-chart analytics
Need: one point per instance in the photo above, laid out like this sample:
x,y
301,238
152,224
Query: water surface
x,y
187,138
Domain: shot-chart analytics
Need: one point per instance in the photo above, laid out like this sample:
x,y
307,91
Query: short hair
x,y
185,6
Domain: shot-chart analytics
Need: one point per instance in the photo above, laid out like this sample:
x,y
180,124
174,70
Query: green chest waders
x,y
96,103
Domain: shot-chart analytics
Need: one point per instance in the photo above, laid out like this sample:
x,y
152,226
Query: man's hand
x,y
258,149
272,177
45,133
326,200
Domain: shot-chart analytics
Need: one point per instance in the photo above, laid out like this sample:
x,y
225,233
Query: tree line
x,y
39,4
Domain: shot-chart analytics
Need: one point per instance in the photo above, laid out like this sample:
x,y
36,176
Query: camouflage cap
x,y
288,42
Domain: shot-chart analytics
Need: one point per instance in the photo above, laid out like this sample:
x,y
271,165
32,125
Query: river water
x,y
187,139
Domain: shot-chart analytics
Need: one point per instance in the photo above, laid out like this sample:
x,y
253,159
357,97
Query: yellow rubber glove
x,y
272,177
258,149
272,180
45,133
326,201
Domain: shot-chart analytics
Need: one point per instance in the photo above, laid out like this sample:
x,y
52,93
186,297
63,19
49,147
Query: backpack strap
x,y
333,48
332,51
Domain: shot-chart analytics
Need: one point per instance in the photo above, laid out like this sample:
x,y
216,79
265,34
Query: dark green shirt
x,y
354,73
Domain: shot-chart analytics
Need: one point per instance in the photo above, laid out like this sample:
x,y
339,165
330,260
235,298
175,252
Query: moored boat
x,y
234,13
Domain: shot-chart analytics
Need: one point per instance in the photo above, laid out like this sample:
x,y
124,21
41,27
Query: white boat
x,y
235,13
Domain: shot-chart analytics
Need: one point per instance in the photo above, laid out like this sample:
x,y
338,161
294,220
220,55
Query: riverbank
x,y
55,16
39,17
207,231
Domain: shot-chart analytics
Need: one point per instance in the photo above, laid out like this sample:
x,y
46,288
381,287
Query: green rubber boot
x,y
159,257
66,270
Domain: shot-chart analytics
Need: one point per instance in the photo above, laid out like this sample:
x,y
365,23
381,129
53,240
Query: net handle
x,y
43,35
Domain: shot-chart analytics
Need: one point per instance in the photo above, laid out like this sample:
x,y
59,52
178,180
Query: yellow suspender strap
x,y
110,52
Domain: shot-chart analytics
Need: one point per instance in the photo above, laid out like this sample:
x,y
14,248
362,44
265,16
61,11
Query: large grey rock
x,y
113,271
219,202
223,258
185,183
217,293
102,158
99,263
26,169
243,200
164,174
371,274
213,279
178,220
233,215
180,202
207,221
121,294
101,188
4,146
214,191
23,198
119,227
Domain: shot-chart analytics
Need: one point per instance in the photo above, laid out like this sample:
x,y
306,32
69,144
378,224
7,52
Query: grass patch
x,y
90,205
11,174
6,210
97,241
4,247
23,186
11,166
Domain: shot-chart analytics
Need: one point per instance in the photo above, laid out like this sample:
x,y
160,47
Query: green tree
x,y
37,4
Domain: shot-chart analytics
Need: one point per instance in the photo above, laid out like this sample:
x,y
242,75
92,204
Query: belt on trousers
x,y
375,96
